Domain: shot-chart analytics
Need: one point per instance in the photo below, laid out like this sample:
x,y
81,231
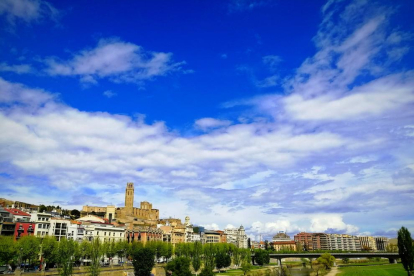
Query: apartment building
x,y
322,241
237,237
42,221
58,228
104,232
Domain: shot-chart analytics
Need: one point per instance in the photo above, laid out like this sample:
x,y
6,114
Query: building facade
x,y
237,237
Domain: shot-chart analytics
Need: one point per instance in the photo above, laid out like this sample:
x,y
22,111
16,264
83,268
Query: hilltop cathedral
x,y
144,215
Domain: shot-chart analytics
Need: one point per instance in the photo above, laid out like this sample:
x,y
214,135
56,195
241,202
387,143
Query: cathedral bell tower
x,y
129,199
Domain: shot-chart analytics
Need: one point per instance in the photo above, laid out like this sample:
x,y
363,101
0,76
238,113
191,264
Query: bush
x,y
143,261
179,267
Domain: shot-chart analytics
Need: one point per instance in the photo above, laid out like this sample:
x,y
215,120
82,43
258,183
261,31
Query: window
x,y
58,225
104,233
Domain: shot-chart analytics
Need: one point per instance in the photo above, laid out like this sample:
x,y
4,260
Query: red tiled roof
x,y
283,242
17,212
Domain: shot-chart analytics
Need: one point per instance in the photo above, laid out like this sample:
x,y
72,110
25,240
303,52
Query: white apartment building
x,y
58,228
42,221
343,242
76,232
104,232
237,237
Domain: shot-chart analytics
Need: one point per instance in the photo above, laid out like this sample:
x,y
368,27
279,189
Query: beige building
x,y
145,215
210,236
368,243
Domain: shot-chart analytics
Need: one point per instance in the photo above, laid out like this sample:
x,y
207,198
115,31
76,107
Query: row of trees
x,y
67,253
49,208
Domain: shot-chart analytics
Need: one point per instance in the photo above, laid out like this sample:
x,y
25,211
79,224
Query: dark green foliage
x,y
75,213
179,267
207,271
50,250
405,249
42,208
196,256
261,257
143,261
221,260
209,255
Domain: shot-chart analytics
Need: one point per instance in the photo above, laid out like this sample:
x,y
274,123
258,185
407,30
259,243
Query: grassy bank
x,y
379,270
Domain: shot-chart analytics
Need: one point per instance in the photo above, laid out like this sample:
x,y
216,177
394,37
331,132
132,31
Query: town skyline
x,y
274,115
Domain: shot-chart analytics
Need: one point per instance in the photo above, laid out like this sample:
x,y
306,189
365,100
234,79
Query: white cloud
x,y
325,222
116,60
212,226
246,5
27,10
268,82
270,229
18,69
109,94
181,173
209,123
372,99
272,61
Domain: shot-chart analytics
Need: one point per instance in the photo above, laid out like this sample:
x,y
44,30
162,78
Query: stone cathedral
x,y
145,215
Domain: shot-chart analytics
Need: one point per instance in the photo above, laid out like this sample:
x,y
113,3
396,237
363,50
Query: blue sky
x,y
278,115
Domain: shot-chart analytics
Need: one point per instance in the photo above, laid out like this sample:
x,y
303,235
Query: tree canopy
x,y
405,249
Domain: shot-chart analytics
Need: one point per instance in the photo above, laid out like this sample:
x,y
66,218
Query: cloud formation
x,y
27,10
338,138
115,60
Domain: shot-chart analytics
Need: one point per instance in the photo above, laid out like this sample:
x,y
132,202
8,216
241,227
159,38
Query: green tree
x,y
29,247
75,213
66,251
42,208
143,261
50,250
207,271
405,249
109,249
246,267
345,260
95,254
196,256
122,249
327,260
7,249
221,259
180,266
236,257
85,248
209,255
261,257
